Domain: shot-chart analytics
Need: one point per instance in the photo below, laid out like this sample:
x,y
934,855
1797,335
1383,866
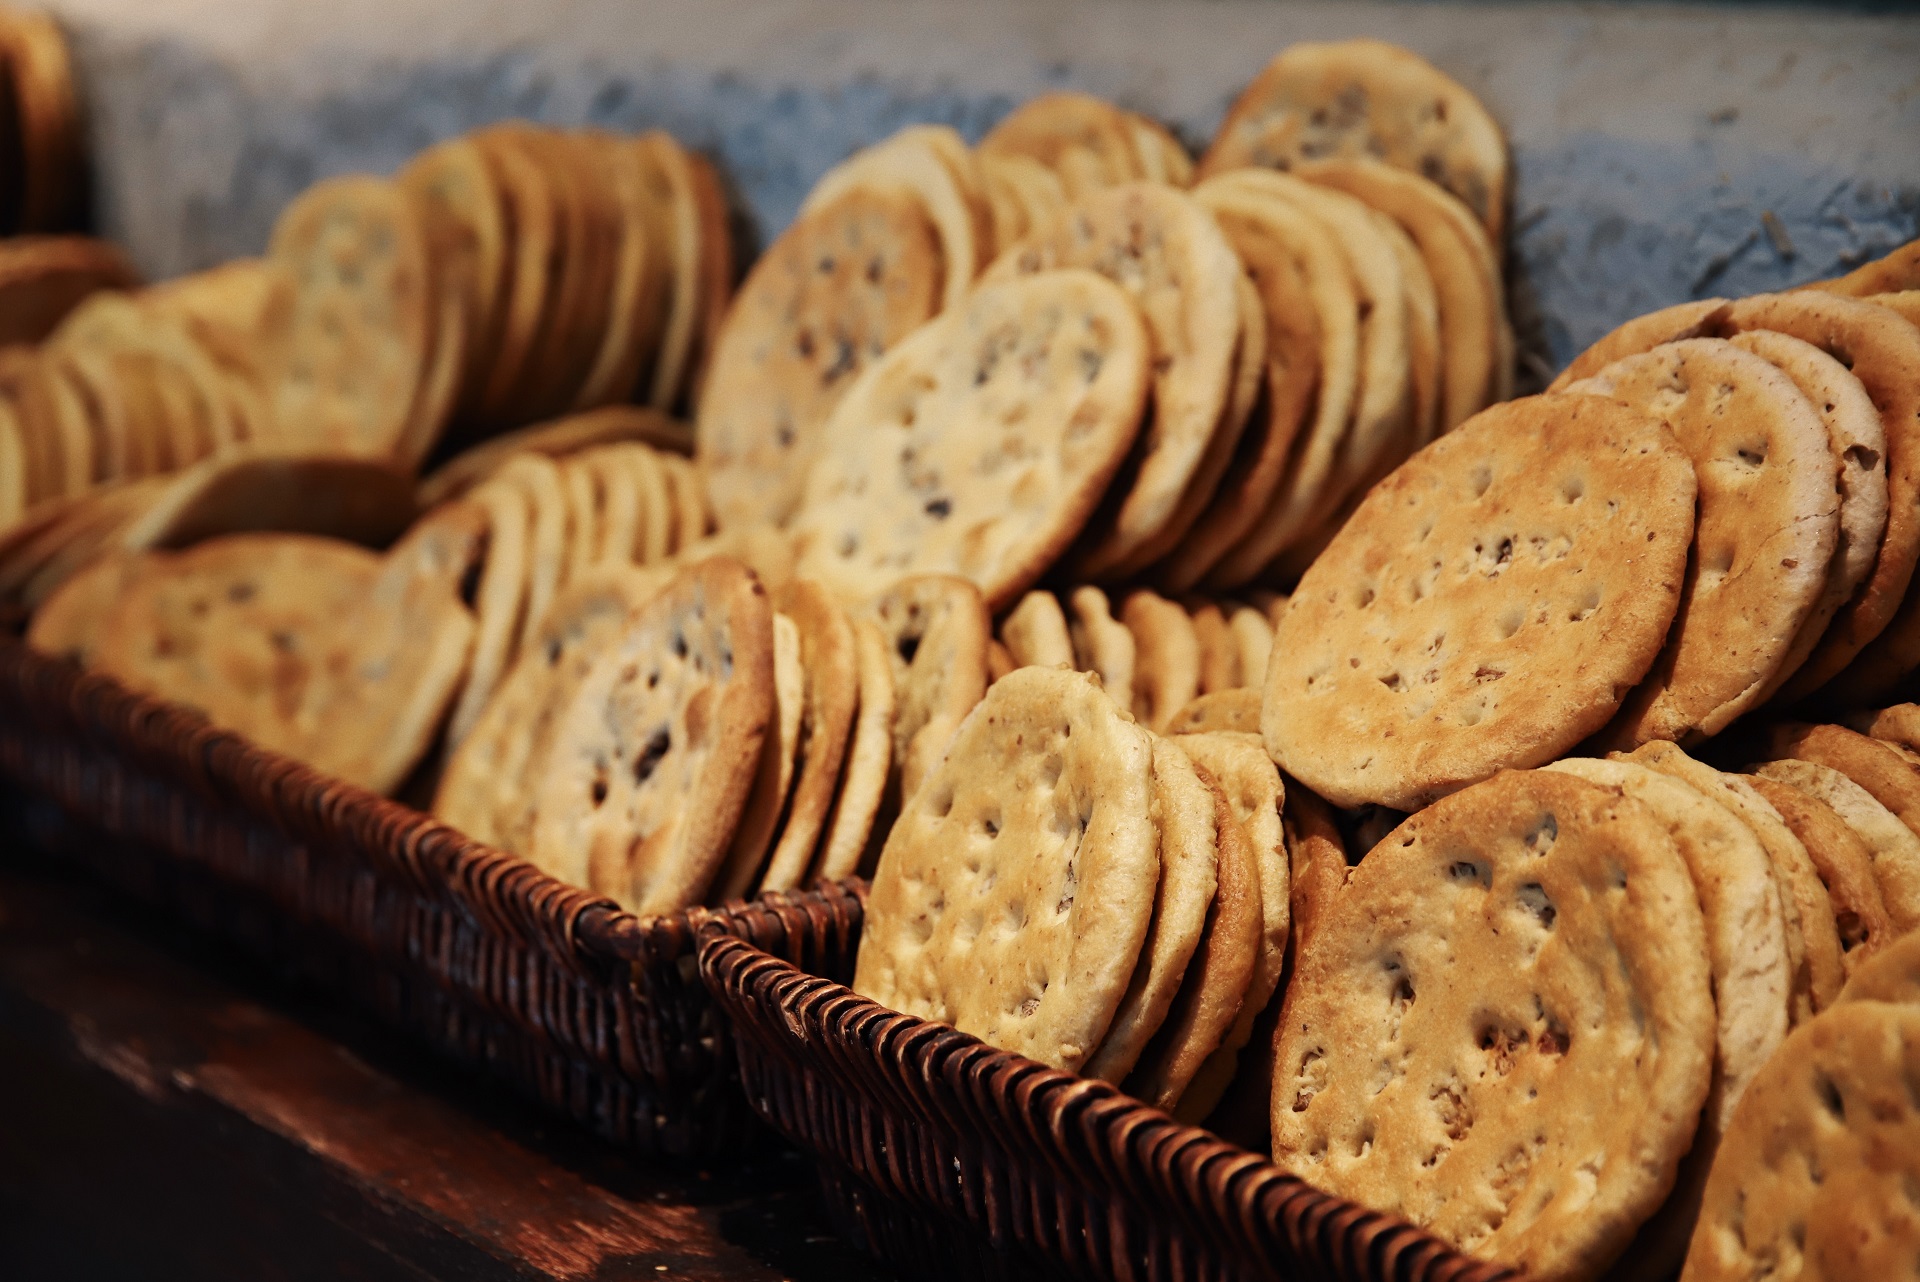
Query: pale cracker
x,y
1893,976
1845,866
936,629
1231,710
1253,636
1219,652
1102,645
831,667
1697,319
1166,671
1015,892
1894,848
1035,632
499,603
773,775
868,758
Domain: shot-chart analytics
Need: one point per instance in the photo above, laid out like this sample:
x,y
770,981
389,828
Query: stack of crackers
x,y
895,380
43,175
506,277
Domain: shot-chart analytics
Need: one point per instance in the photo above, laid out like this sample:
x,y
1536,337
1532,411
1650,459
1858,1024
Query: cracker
x,y
1289,376
1892,976
1813,938
1021,182
1816,1177
1487,606
1253,637
1253,789
1696,319
981,444
616,536
936,629
556,439
1766,531
1217,980
42,278
1014,893
1845,866
773,774
1219,652
668,172
1102,645
764,549
654,754
1035,633
360,501
1186,815
1463,265
1368,98
1260,227
68,623
1163,248
930,164
541,482
831,668
1893,846
868,757
638,290
845,282
1237,711
655,532
1898,726
1166,671
1484,1109
691,520
999,660
1087,141
363,319
1858,441
585,500
1883,351
1383,406
13,469
499,603
489,787
1747,961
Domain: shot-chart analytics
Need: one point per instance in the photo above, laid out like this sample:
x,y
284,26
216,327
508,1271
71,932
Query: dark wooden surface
x,y
165,1113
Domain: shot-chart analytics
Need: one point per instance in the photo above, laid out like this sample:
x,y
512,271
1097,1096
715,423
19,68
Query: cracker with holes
x,y
1085,140
980,444
1236,711
773,774
937,632
653,757
1490,983
1187,815
1845,867
1255,795
1367,98
487,789
1817,1175
1699,318
1768,524
1813,938
1893,975
1166,251
1894,848
1747,959
832,690
1014,894
1875,766
839,287
1487,606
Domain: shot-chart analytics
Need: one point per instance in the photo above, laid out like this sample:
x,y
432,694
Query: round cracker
x,y
1253,634
1035,632
936,629
1816,1175
1172,260
831,667
1102,645
1253,789
1087,141
1237,711
1897,271
1368,98
773,775
844,283
1892,781
1166,671
1893,846
1219,653
1462,262
1845,866
868,758
1489,983
1883,351
1891,976
1217,981
499,603
1858,441
1015,892
1187,814
981,444
653,756
1487,606
1696,319
1765,535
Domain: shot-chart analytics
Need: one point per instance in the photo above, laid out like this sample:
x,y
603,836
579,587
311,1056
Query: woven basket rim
x,y
1087,1132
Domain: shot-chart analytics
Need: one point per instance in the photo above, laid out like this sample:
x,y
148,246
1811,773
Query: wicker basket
x,y
948,1158
594,1012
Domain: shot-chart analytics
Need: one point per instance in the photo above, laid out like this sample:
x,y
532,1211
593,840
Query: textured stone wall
x,y
1660,153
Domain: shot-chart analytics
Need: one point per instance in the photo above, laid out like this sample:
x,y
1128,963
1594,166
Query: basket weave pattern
x,y
950,1158
596,1013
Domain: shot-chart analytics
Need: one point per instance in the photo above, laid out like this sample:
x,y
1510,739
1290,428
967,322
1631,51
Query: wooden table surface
x,y
165,1112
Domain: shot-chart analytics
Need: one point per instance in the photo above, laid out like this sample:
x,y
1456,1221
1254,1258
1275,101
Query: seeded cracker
x,y
936,632
1014,893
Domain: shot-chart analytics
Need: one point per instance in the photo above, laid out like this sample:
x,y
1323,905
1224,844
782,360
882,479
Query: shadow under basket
x,y
948,1158
595,1013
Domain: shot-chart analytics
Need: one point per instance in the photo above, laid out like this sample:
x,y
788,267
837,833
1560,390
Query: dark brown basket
x,y
949,1158
594,1012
